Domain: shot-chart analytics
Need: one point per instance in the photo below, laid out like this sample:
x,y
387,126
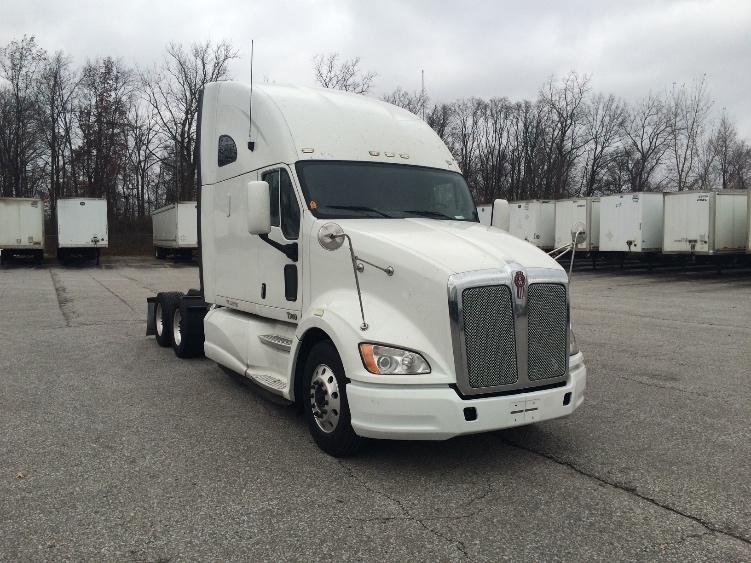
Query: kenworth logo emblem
x,y
520,281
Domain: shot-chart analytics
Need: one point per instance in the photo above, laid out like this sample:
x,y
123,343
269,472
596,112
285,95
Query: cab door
x,y
279,290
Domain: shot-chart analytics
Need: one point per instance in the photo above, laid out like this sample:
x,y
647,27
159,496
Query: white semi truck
x,y
21,228
175,230
343,268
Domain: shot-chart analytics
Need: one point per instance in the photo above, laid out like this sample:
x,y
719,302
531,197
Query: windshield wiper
x,y
359,208
426,213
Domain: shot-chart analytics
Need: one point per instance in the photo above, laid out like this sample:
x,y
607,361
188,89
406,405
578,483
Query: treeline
x,y
571,142
128,134
104,130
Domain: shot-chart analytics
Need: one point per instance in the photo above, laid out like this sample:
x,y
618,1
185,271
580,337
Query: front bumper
x,y
438,413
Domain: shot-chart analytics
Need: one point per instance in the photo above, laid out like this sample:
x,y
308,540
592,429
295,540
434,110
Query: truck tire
x,y
187,336
38,256
325,402
164,310
159,253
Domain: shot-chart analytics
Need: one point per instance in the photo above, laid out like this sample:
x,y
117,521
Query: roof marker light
x,y
374,153
404,155
391,154
307,150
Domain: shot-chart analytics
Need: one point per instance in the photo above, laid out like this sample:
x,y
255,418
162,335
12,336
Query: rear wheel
x,y
187,335
325,402
164,310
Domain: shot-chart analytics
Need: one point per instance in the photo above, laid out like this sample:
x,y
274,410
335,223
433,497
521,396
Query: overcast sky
x,y
482,48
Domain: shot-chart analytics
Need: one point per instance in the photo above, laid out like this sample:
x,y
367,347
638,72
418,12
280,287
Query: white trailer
x,y
343,268
631,223
21,228
81,227
175,230
485,213
585,210
534,221
705,222
748,223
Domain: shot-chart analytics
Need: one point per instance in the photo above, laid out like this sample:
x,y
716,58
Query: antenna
x,y
422,96
251,144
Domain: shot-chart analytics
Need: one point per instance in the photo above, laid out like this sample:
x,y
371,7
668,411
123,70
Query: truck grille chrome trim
x,y
506,339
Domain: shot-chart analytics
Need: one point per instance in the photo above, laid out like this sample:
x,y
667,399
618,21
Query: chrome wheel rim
x,y
176,335
158,319
325,400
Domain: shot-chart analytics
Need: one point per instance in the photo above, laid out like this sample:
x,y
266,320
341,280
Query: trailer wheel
x,y
38,256
2,257
325,402
187,338
159,253
164,310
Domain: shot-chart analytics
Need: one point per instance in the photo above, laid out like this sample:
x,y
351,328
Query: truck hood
x,y
457,246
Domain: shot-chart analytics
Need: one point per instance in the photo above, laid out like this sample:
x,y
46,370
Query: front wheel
x,y
325,402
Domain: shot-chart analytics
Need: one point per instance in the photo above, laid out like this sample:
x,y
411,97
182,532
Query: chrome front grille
x,y
546,332
507,337
489,336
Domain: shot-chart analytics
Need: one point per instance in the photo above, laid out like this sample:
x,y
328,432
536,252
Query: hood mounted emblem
x,y
520,281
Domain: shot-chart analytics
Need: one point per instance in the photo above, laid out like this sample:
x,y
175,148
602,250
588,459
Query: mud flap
x,y
150,318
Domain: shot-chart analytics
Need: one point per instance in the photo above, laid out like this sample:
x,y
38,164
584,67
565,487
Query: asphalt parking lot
x,y
113,449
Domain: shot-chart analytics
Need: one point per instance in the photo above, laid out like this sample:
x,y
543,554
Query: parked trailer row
x,y
698,223
82,228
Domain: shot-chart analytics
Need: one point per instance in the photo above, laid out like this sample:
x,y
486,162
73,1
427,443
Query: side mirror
x,y
501,217
331,236
578,233
259,208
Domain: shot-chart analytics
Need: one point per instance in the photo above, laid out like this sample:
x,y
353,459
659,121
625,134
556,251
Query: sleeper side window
x,y
227,150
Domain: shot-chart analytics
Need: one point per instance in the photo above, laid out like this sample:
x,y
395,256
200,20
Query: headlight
x,y
573,347
386,360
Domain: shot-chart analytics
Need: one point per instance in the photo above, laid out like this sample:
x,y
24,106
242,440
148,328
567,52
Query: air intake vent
x,y
548,327
489,336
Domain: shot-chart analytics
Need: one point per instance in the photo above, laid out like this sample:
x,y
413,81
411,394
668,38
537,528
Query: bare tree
x,y
20,146
647,138
687,112
172,90
106,89
415,102
603,124
564,106
56,91
347,76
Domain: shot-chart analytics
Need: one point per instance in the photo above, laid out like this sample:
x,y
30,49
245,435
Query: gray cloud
x,y
473,48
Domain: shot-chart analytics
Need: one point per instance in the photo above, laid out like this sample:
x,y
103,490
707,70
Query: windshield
x,y
338,189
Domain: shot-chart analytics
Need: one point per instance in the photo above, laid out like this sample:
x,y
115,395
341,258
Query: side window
x,y
285,212
227,150
272,178
290,210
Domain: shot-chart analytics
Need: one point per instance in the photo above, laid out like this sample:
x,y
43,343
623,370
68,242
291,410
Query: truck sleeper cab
x,y
343,267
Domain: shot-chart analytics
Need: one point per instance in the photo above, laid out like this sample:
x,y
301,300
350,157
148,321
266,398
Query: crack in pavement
x,y
113,293
62,298
631,491
407,516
